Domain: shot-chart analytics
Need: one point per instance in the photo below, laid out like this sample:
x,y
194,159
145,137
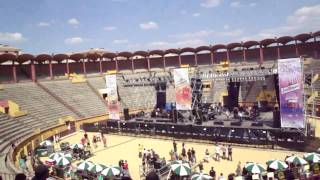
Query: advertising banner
x,y
291,93
112,99
182,88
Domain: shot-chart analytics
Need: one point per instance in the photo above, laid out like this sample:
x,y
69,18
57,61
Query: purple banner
x,y
291,93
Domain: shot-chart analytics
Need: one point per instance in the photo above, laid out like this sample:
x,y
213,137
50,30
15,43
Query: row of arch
x,y
211,51
302,38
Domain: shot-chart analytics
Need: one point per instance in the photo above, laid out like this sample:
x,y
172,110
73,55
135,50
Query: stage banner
x,y
182,88
291,93
112,98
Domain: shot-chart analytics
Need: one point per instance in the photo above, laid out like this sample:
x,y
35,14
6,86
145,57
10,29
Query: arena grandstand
x,y
231,95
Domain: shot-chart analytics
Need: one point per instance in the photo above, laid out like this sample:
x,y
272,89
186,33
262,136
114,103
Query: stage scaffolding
x,y
310,77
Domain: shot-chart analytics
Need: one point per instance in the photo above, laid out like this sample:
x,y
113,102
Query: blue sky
x,y
56,26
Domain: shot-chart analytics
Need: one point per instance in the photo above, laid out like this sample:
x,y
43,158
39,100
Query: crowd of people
x,y
242,112
223,152
150,159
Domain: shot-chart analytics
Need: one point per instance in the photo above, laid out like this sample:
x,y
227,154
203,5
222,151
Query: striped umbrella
x,y
181,168
312,157
46,143
84,165
76,146
254,168
111,171
277,165
56,155
296,160
62,161
201,176
96,168
68,156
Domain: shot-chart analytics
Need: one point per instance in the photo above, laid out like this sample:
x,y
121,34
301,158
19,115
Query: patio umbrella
x,y
254,168
84,165
56,155
96,168
76,146
201,176
181,168
296,160
312,157
277,165
62,161
68,156
111,171
46,143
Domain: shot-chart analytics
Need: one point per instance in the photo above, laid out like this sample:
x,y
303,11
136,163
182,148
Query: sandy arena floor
x,y
126,148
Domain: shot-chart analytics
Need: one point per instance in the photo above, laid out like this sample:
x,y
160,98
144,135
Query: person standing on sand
x,y
94,141
193,155
221,177
230,153
200,167
140,148
104,141
238,170
174,146
217,153
212,173
189,155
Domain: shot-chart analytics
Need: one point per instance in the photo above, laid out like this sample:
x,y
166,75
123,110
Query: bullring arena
x,y
49,102
160,90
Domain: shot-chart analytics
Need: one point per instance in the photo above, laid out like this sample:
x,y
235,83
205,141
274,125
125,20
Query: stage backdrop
x,y
112,99
291,93
182,88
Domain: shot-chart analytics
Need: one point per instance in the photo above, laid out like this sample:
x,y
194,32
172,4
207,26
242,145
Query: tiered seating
x,y
97,82
11,130
315,68
43,109
79,96
138,97
218,88
255,89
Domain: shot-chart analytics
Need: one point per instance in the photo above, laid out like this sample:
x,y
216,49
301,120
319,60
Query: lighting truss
x,y
239,76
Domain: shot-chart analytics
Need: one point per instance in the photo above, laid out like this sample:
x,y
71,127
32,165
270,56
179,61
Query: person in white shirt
x,y
217,153
221,177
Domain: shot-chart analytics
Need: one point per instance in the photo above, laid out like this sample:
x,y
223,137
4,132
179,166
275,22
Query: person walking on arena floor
x,y
238,170
189,155
217,153
224,151
230,153
221,177
212,173
104,141
183,153
200,167
94,141
193,155
207,156
174,146
140,148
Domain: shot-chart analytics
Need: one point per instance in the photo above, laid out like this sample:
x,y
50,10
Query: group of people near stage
x,y
189,155
85,141
241,112
160,113
219,152
223,152
150,159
